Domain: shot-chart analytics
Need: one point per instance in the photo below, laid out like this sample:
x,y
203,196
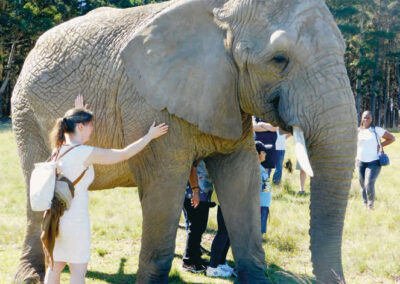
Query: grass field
x,y
371,246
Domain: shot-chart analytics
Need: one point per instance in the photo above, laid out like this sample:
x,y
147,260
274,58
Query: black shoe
x,y
205,263
194,268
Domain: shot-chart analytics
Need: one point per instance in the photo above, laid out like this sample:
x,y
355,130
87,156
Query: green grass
x,y
371,249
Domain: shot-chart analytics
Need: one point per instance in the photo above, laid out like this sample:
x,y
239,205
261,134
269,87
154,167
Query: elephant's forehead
x,y
306,23
284,11
305,27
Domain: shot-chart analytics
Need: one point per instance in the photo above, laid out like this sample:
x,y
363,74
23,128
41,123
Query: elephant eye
x,y
281,61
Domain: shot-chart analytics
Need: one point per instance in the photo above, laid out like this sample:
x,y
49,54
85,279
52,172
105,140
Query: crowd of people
x,y
72,244
270,145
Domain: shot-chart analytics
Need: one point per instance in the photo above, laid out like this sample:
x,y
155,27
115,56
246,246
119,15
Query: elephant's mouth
x,y
273,101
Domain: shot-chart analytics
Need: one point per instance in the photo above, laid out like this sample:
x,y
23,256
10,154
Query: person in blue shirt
x,y
265,187
195,209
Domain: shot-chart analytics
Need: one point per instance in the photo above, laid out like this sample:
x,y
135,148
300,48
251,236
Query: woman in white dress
x,y
72,244
367,156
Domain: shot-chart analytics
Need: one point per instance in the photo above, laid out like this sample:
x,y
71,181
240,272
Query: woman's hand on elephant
x,y
79,102
156,131
195,199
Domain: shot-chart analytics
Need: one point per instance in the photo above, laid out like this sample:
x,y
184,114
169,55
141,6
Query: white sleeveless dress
x,y
73,242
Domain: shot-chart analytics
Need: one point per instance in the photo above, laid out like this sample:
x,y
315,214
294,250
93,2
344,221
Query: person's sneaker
x,y
301,192
226,267
217,272
194,268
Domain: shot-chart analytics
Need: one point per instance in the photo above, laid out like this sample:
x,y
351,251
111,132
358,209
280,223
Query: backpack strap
x,y
82,174
58,152
80,177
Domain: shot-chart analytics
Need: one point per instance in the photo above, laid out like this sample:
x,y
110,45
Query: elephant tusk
x,y
301,150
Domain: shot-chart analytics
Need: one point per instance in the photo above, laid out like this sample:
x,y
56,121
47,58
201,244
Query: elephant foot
x,y
27,274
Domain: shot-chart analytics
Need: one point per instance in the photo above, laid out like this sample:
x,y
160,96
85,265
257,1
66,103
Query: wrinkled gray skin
x,y
203,67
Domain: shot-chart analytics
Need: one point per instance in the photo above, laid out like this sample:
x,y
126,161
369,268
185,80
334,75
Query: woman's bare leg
x,y
78,272
53,274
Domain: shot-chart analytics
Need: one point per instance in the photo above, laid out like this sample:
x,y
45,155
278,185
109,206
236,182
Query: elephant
x,y
204,67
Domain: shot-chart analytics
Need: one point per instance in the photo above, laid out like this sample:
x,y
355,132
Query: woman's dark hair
x,y
372,121
67,124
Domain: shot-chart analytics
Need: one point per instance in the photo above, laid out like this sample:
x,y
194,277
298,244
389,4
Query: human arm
x,y
194,184
388,137
263,126
113,156
257,127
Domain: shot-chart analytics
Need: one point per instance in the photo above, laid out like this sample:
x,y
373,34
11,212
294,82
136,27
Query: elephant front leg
x,y
237,182
162,197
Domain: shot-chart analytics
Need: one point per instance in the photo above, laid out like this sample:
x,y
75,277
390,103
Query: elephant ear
x,y
178,61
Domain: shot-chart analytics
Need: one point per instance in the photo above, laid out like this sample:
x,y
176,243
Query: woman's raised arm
x,y
113,156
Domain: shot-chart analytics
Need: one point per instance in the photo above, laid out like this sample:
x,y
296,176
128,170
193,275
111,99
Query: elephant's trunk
x,y
332,158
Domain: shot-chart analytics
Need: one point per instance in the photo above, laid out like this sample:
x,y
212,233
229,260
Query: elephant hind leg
x,y
31,149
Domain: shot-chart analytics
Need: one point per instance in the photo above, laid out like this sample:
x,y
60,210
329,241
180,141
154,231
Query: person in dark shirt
x,y
196,207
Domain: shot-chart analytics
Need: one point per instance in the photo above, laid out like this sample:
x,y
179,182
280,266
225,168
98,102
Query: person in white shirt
x,y
367,156
71,242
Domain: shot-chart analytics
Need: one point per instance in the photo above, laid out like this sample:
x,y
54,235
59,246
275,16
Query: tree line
x,y
371,29
23,21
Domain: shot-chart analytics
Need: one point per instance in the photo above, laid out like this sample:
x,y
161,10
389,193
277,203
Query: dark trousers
x,y
367,175
280,155
196,224
221,243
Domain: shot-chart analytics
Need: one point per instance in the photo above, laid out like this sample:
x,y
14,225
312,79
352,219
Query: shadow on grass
x,y
211,231
121,278
118,277
278,275
207,231
176,255
274,273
